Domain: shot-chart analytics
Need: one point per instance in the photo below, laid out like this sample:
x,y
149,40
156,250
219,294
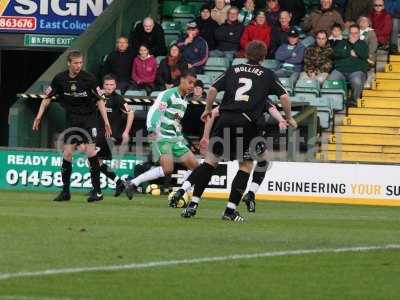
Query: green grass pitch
x,y
37,234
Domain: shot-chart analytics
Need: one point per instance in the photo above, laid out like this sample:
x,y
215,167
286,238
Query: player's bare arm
x,y
101,105
128,126
212,94
43,107
287,108
283,124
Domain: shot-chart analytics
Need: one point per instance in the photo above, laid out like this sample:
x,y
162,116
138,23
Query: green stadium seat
x,y
172,27
206,79
216,64
270,64
155,93
219,97
213,74
170,39
307,89
324,116
184,11
334,91
135,93
159,59
168,7
118,92
238,61
287,83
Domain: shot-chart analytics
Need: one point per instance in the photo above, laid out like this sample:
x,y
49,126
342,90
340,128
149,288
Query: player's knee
x,y
67,155
167,170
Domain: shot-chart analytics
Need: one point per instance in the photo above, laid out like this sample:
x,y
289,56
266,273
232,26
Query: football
x,y
182,202
153,189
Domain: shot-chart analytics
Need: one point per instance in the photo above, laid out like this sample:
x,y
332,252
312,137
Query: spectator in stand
x,y
336,34
228,36
170,69
393,8
246,14
144,70
322,18
149,33
259,29
356,9
220,12
318,59
198,92
207,26
381,23
280,33
295,7
273,12
119,63
340,6
194,48
367,34
290,56
350,62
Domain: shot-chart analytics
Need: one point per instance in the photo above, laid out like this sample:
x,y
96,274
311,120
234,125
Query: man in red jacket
x,y
259,30
382,23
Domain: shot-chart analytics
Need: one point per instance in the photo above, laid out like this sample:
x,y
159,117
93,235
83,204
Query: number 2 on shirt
x,y
240,93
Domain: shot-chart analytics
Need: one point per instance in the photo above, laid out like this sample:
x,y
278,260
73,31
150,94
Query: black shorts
x,y
104,145
80,129
236,137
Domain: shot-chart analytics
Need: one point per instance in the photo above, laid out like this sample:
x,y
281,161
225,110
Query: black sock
x,y
200,178
66,170
95,173
239,184
259,172
106,170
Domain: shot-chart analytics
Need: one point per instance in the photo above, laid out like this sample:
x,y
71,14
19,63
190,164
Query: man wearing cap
x,y
194,48
290,56
258,30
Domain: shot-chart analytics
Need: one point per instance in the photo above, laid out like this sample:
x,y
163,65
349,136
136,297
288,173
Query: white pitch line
x,y
167,263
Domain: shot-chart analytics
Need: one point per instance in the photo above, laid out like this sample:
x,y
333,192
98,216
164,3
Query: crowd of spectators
x,y
337,40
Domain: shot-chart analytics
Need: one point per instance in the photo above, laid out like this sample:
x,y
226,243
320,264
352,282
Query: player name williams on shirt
x,y
249,69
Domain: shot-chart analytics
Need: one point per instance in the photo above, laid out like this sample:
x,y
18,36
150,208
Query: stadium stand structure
x,y
369,132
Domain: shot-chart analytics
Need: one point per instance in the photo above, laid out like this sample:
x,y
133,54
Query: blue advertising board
x,y
68,17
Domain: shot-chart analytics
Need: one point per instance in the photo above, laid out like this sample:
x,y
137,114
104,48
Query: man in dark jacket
x,y
149,33
119,63
207,26
228,36
280,33
350,62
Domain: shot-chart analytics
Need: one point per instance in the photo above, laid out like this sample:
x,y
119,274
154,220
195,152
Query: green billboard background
x,y
37,170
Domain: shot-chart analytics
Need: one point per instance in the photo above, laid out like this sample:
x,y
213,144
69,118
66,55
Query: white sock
x,y
186,176
254,187
231,205
186,186
195,200
151,174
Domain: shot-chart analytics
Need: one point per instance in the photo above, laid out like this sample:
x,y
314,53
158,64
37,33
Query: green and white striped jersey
x,y
164,116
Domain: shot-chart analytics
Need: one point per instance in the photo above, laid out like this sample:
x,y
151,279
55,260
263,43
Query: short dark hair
x,y
109,77
323,32
256,51
189,73
74,54
354,26
336,25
